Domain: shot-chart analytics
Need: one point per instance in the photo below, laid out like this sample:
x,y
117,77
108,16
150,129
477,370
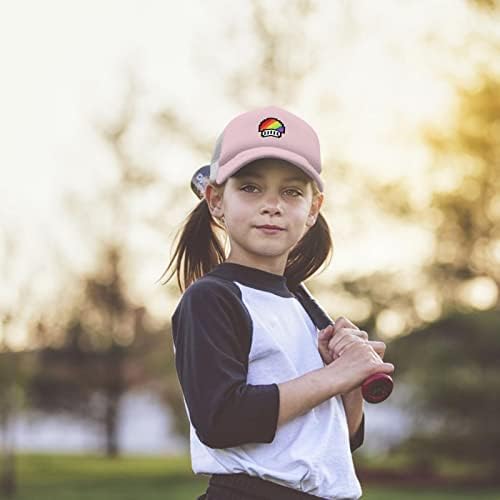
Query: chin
x,y
271,252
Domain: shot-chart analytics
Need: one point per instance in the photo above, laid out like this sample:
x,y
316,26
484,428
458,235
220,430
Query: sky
x,y
65,67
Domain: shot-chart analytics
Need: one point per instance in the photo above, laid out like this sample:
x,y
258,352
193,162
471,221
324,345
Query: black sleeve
x,y
212,332
357,440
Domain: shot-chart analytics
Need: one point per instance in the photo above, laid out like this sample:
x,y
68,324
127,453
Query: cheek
x,y
299,212
300,215
240,213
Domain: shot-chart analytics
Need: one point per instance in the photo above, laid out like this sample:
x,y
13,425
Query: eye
x,y
295,191
244,188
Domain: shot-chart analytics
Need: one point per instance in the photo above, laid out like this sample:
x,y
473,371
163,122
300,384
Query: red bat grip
x,y
376,388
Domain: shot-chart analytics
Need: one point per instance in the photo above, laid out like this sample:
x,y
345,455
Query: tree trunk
x,y
111,424
8,477
7,459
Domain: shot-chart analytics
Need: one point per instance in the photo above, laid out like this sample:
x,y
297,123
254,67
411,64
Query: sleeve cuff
x,y
261,417
252,419
357,440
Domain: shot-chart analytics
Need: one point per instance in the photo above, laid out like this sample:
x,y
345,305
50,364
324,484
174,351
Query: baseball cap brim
x,y
245,157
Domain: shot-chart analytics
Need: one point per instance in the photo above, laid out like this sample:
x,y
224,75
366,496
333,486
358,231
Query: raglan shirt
x,y
238,332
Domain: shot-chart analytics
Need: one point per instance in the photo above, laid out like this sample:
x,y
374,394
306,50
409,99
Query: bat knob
x,y
377,388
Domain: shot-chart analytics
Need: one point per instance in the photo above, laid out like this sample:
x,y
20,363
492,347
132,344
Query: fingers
x,y
378,347
343,344
343,322
326,334
387,368
358,362
335,339
364,353
384,367
324,337
344,337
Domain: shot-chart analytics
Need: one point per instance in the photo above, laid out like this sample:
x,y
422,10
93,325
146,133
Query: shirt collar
x,y
252,277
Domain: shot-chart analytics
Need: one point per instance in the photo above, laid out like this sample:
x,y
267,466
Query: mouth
x,y
271,228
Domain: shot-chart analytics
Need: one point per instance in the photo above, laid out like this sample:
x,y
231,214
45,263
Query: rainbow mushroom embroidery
x,y
271,127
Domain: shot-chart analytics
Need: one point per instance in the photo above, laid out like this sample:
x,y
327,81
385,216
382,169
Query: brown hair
x,y
200,249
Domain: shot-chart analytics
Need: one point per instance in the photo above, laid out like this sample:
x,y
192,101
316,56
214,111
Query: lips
x,y
270,227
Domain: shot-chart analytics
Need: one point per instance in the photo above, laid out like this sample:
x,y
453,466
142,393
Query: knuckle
x,y
368,350
343,322
361,347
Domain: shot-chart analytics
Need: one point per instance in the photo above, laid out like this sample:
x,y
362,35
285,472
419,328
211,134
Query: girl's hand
x,y
324,337
333,341
358,362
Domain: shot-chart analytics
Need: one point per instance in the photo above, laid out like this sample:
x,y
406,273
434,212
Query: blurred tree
x,y
15,374
452,364
8,407
458,356
101,349
99,353
462,215
487,5
464,208
463,179
468,216
451,371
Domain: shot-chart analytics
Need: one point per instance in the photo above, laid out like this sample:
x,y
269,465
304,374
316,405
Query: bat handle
x,y
375,388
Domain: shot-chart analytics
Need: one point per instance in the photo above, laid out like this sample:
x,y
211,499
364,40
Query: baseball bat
x,y
375,388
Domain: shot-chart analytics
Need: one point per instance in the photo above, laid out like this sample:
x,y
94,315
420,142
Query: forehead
x,y
273,168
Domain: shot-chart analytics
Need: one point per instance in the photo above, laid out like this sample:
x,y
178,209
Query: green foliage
x,y
468,214
453,374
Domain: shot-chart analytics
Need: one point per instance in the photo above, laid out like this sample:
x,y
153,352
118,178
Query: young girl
x,y
274,406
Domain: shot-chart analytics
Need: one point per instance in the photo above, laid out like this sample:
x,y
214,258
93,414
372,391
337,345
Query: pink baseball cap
x,y
269,132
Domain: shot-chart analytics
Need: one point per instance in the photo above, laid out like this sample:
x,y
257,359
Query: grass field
x,y
85,477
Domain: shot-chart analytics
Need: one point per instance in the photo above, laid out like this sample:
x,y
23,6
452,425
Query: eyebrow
x,y
260,176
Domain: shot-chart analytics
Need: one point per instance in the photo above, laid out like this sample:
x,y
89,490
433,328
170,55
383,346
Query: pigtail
x,y
309,253
199,248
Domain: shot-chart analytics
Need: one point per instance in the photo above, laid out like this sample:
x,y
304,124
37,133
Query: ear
x,y
315,208
213,196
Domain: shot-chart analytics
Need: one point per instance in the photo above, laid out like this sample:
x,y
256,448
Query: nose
x,y
271,205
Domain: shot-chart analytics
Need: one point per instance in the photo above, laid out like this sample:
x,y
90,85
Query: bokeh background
x,y
106,110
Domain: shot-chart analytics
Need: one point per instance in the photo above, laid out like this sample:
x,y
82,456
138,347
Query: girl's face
x,y
265,192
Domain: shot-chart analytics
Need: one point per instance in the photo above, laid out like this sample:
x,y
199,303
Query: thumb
x,y
326,334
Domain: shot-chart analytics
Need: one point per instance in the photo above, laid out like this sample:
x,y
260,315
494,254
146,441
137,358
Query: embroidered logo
x,y
271,127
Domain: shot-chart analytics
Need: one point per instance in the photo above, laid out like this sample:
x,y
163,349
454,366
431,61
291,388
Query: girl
x,y
275,408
